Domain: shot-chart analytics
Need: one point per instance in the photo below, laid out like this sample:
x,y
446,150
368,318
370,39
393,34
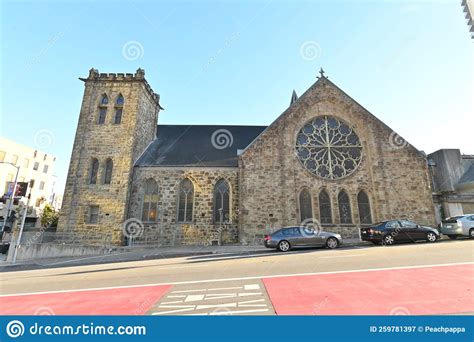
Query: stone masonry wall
x,y
392,172
166,231
123,143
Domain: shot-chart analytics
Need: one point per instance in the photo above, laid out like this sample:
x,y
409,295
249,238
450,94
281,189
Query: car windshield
x,y
455,218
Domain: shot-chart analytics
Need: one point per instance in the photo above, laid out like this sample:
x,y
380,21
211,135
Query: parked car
x,y
462,225
286,238
389,232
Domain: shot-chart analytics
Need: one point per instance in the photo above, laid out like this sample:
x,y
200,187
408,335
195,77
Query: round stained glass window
x,y
328,148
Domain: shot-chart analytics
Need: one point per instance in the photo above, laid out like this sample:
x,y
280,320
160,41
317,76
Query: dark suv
x,y
389,232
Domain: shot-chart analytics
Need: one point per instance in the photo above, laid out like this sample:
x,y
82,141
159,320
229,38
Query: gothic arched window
x,y
118,109
325,211
120,100
185,201
103,109
94,171
345,214
328,147
364,207
221,211
109,165
104,101
306,205
150,201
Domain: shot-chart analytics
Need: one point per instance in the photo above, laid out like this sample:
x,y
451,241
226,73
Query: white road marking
x,y
242,278
172,311
181,296
252,287
176,306
184,291
228,295
194,298
252,301
243,294
226,305
225,288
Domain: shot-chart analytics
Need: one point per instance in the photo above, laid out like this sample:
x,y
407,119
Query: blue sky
x,y
408,62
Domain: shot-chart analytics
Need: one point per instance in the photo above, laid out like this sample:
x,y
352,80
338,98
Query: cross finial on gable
x,y
321,72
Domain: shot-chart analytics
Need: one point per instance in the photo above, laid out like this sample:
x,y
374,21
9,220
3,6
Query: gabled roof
x,y
320,82
198,145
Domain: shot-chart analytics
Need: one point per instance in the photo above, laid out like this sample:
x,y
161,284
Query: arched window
x,y
150,201
118,109
306,205
185,201
120,100
118,116
325,211
104,101
103,109
94,171
109,165
345,214
221,202
364,207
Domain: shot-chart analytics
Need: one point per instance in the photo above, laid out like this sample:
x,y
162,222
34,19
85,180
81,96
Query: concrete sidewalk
x,y
125,254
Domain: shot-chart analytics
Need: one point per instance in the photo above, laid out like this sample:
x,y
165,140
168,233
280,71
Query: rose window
x,y
328,148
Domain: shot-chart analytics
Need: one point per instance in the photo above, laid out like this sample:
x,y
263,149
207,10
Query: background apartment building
x,y
34,165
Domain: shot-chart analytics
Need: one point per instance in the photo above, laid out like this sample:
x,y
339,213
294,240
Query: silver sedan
x,y
286,238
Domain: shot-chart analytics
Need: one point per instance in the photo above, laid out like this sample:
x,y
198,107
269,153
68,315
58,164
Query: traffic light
x,y
10,222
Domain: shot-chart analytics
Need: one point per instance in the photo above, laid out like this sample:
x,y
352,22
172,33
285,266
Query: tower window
x,y
120,101
93,214
118,116
94,171
109,165
104,101
102,115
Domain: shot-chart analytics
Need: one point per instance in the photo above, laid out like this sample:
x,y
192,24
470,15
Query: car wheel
x,y
388,240
332,243
284,246
453,237
431,237
471,233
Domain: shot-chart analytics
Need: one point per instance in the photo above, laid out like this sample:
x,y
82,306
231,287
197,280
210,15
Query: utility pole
x,y
23,219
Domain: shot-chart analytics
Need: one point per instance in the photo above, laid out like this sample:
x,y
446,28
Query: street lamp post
x,y
12,197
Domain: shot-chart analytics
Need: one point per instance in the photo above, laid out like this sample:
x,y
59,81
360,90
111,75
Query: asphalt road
x,y
240,283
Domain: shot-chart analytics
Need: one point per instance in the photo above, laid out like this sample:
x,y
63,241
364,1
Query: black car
x,y
389,232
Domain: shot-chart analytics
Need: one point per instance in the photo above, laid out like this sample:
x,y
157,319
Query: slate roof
x,y
198,145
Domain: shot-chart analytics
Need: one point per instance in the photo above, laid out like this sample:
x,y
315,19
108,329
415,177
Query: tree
x,y
49,217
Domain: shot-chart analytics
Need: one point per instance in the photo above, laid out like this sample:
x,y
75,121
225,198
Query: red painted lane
x,y
117,301
415,291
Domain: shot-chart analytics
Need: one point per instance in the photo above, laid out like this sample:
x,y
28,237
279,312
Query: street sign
x,y
21,188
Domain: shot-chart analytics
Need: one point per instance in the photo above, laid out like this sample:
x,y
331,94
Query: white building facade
x,y
34,165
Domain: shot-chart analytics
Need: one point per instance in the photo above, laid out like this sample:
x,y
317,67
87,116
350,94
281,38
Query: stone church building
x,y
325,159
